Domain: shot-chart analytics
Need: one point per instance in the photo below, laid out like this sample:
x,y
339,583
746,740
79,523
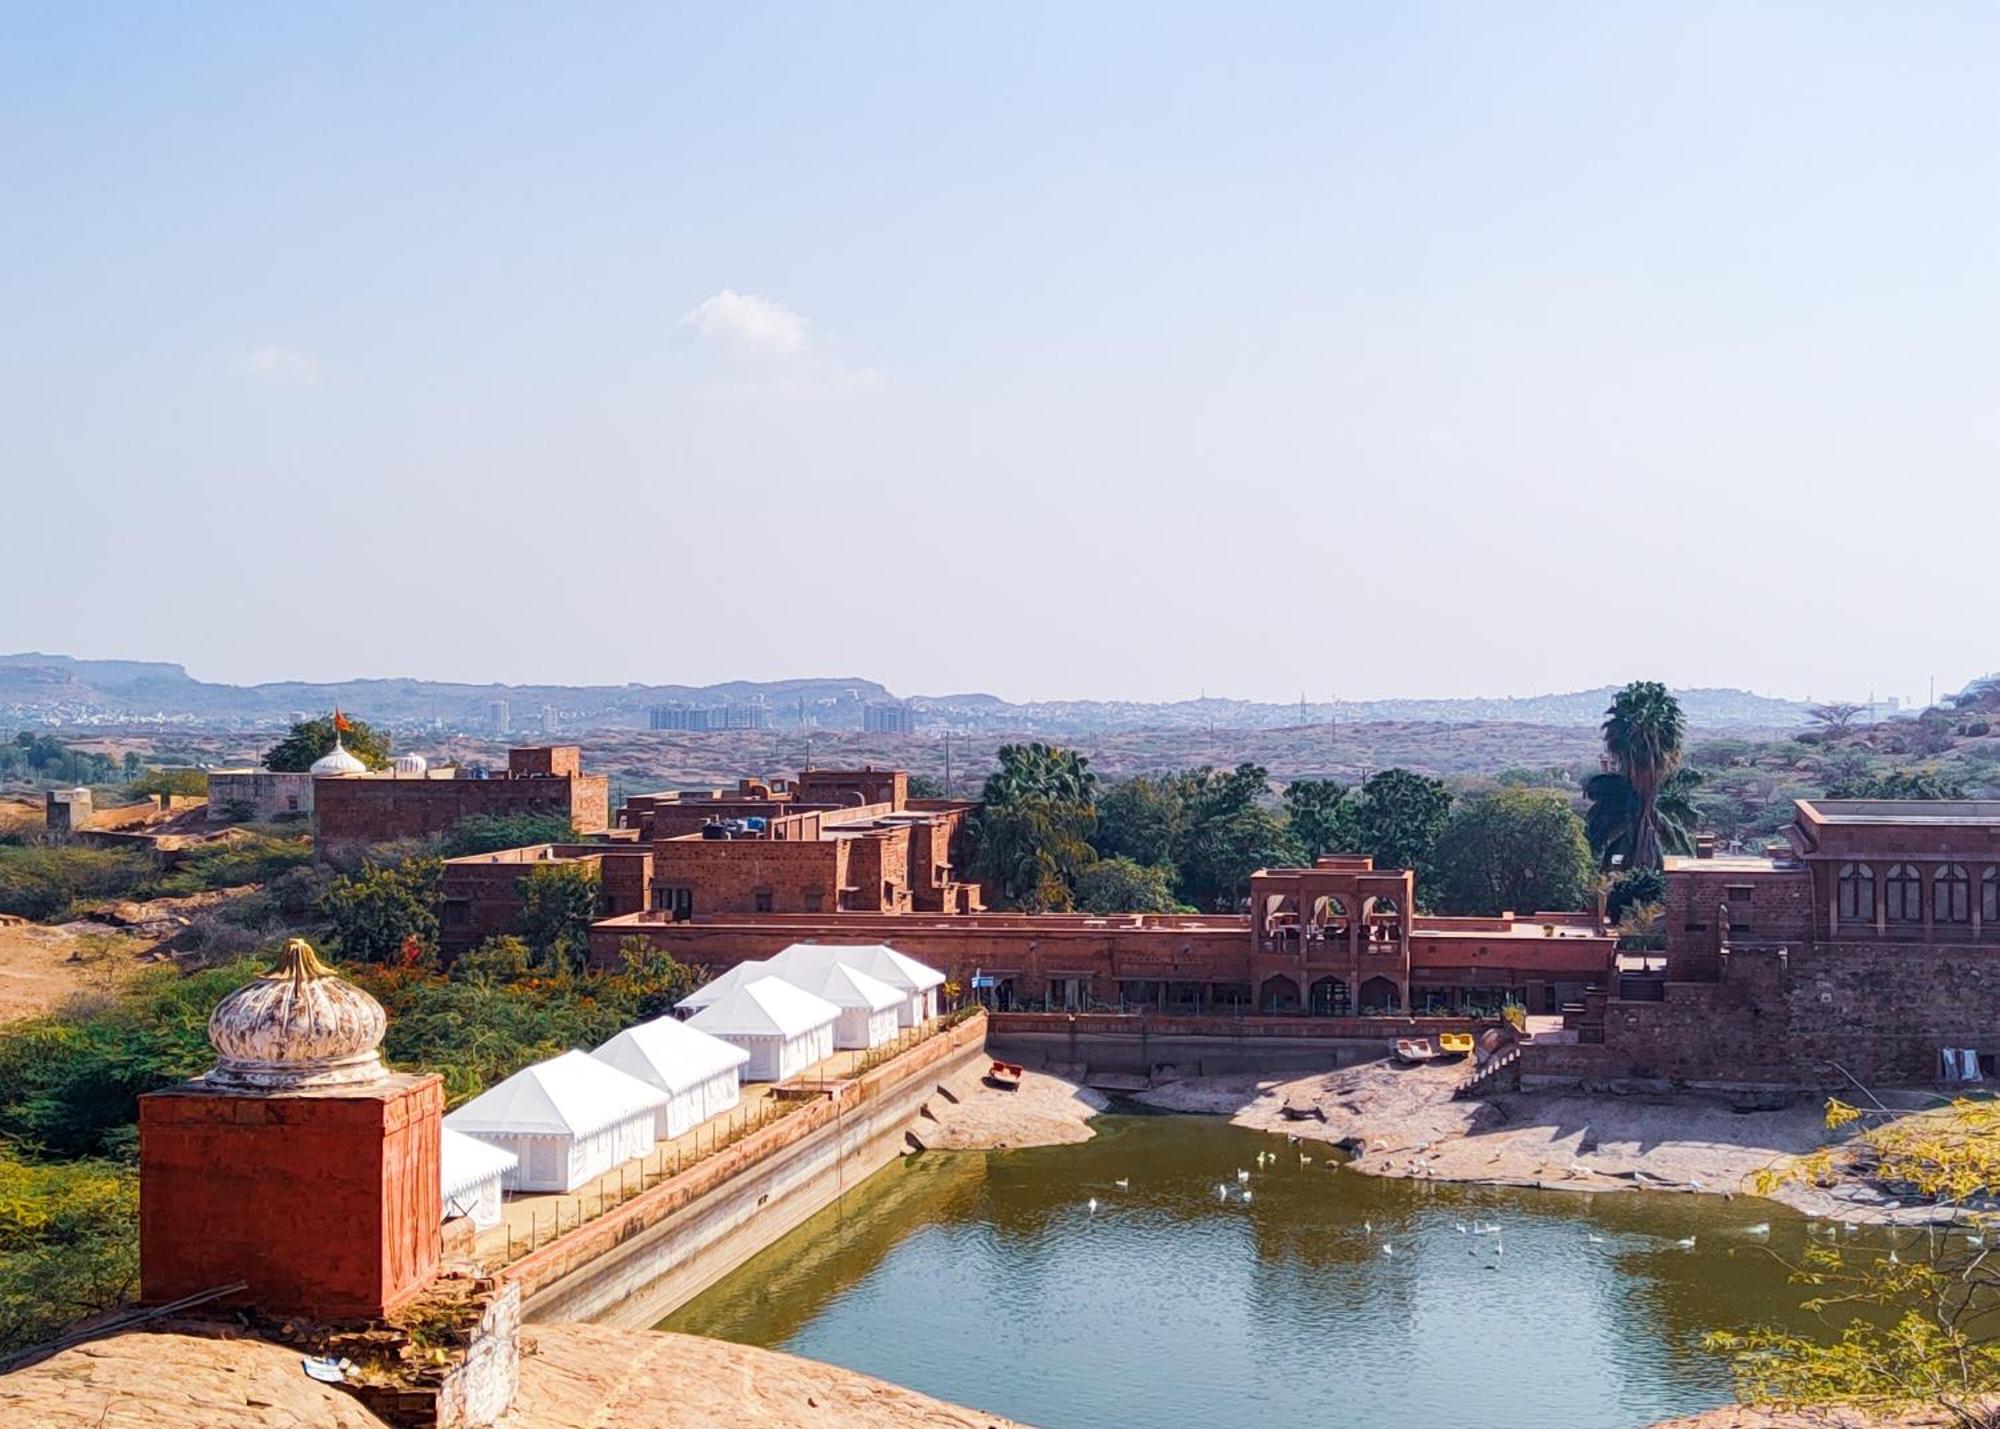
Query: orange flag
x,y
340,723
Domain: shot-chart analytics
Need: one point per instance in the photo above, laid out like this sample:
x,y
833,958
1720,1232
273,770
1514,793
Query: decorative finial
x,y
299,1026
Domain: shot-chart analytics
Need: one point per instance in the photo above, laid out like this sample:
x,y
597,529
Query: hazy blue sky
x,y
1064,350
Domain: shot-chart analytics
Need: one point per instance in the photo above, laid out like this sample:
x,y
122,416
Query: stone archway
x,y
1278,994
1330,997
1381,921
1379,994
1329,920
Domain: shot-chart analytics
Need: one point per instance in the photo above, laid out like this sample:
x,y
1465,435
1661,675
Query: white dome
x,y
297,1026
338,761
411,764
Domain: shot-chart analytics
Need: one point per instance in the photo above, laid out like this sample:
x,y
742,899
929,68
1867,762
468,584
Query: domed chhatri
x,y
298,1026
338,761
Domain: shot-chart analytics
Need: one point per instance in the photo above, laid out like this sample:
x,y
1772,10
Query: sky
x,y
1057,351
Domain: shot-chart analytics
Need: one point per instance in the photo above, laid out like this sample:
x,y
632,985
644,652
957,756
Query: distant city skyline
x,y
1113,351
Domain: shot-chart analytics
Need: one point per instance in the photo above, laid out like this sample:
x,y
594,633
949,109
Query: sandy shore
x,y
1042,1111
1401,1121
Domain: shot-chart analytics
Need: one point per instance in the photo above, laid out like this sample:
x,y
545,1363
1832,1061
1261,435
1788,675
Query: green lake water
x,y
1325,1297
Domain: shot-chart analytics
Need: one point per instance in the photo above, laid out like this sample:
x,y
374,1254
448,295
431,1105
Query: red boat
x,y
1005,1075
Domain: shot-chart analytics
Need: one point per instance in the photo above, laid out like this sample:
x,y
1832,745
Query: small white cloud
x,y
281,366
750,324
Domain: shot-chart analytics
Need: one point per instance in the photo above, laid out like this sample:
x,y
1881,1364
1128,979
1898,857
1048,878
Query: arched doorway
x,y
1331,998
1329,920
1280,920
1278,994
1379,994
1381,921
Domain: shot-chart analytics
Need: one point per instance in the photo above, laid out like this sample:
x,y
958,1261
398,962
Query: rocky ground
x,y
43,965
572,1377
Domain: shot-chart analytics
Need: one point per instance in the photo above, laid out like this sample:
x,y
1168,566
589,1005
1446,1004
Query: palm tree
x,y
1613,817
1643,734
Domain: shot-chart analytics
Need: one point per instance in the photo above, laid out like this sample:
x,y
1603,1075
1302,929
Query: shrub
x,y
377,911
69,1244
235,861
484,833
45,881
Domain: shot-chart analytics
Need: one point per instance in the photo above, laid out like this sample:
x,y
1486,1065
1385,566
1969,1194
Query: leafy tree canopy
x,y
314,738
484,833
383,912
1400,818
1922,783
1616,809
1518,849
1644,733
1121,885
559,902
1323,817
1032,834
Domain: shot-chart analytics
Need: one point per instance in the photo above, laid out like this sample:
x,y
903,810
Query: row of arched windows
x,y
1902,893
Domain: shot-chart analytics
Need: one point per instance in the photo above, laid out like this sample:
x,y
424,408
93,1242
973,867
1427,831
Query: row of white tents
x,y
559,1124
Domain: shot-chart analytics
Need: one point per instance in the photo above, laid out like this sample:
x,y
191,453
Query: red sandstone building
x,y
1864,947
1335,938
411,801
832,841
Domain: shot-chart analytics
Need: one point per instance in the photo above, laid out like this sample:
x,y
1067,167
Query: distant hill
x,y
40,686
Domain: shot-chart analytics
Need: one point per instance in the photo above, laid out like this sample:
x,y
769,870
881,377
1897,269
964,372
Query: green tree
x,y
1400,817
1120,885
652,977
1634,885
69,1244
1322,817
1612,821
504,958
1231,832
384,910
484,833
559,902
313,738
1032,833
1519,850
1925,782
1143,819
184,783
1644,731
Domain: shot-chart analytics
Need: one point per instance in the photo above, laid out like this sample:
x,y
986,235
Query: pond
x,y
1304,1295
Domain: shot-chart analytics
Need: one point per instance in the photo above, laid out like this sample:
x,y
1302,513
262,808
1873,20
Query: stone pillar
x,y
325,1201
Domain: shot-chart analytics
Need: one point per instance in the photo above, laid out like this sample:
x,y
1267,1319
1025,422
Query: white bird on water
x,y
1246,1198
1241,1174
1686,1243
1305,1160
1368,1228
1895,1259
1093,1205
1123,1183
1221,1192
1388,1249
1761,1228
1596,1239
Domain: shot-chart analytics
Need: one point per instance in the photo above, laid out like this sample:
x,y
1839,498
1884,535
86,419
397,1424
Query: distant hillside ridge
x,y
36,685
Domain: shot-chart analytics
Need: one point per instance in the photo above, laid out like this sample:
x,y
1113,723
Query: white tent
x,y
567,1120
918,982
720,986
699,1073
783,1028
470,1171
867,1007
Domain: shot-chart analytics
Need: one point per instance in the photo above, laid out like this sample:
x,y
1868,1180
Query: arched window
x,y
1903,894
1857,893
1951,895
1989,896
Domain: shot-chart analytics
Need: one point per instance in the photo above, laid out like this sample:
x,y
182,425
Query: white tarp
x,y
918,982
566,1120
720,986
700,1073
783,1028
470,1172
868,1008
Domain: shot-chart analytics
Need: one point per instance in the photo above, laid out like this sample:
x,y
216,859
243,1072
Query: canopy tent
x,y
720,986
784,1029
918,982
867,1007
567,1120
701,1074
470,1172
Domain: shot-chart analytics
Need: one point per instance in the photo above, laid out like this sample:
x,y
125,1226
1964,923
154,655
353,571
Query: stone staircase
x,y
1501,1073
